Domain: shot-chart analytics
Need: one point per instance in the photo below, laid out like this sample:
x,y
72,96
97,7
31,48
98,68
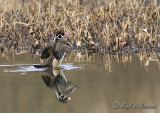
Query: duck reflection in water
x,y
58,83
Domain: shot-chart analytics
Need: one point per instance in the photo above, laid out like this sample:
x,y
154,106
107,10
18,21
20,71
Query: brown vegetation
x,y
123,26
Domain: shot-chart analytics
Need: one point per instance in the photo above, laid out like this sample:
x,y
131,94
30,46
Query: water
x,y
97,85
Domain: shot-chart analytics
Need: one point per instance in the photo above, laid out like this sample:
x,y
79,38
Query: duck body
x,y
58,84
55,51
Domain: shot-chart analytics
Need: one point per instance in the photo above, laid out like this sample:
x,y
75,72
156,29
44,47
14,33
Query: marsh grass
x,y
106,27
111,61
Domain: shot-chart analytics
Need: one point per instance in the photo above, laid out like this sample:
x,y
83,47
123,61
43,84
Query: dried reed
x,y
108,27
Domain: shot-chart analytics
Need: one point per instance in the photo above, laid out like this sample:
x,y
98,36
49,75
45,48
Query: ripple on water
x,y
70,66
30,67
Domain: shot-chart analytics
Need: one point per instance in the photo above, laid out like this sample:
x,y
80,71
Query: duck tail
x,y
41,66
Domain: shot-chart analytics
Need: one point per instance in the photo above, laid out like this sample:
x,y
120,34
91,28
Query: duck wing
x,y
47,51
61,48
64,46
57,49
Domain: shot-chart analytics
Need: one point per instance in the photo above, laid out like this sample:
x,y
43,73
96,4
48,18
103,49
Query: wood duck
x,y
58,84
56,50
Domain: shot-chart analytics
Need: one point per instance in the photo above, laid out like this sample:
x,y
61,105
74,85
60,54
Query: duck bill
x,y
66,34
69,98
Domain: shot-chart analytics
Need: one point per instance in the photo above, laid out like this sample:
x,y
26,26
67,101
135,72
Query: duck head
x,y
59,34
63,99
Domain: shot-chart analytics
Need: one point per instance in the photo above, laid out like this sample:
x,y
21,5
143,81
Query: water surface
x,y
100,84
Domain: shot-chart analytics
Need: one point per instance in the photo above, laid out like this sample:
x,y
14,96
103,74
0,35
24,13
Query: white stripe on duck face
x,y
56,37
